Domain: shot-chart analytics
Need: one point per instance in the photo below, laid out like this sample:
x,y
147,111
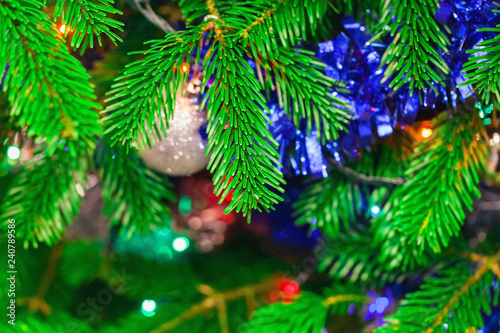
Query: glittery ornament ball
x,y
182,151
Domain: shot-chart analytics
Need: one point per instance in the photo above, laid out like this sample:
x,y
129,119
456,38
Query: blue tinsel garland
x,y
352,59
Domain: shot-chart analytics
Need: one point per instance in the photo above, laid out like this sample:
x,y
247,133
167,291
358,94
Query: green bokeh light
x,y
13,153
148,307
180,244
185,204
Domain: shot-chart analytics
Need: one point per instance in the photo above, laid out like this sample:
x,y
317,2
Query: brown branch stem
x,y
218,300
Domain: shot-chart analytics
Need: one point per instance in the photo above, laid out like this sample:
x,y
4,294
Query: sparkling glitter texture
x,y
182,151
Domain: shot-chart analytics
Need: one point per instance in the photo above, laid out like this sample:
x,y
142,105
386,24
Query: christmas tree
x,y
250,166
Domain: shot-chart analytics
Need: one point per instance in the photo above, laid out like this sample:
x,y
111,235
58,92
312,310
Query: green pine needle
x,y
244,159
269,24
243,152
303,92
135,197
355,257
483,67
47,87
88,19
307,314
147,90
452,301
334,204
428,210
414,54
45,197
86,270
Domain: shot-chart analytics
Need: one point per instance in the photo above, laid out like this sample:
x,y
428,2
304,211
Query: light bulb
x,y
13,153
180,244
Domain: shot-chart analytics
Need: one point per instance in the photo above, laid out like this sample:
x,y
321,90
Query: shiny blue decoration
x,y
381,303
464,18
300,154
352,59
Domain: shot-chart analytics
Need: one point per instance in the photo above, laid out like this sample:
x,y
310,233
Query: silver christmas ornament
x,y
182,151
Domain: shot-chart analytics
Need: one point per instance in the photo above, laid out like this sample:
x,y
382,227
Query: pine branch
x,y
339,297
483,67
303,91
307,314
88,19
44,198
268,24
456,297
134,196
413,55
148,88
396,248
8,126
243,152
355,257
332,205
76,275
337,202
47,88
443,177
196,11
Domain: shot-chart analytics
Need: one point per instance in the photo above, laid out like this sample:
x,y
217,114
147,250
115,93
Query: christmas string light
x,y
13,153
374,211
425,132
148,308
180,244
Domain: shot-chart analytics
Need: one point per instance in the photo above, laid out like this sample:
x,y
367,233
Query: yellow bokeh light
x,y
62,28
425,132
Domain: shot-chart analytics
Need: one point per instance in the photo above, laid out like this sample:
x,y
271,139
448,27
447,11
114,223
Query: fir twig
x,y
373,180
459,290
303,91
413,55
332,205
306,314
483,67
337,202
135,198
354,258
443,177
243,152
88,19
45,197
47,88
147,90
